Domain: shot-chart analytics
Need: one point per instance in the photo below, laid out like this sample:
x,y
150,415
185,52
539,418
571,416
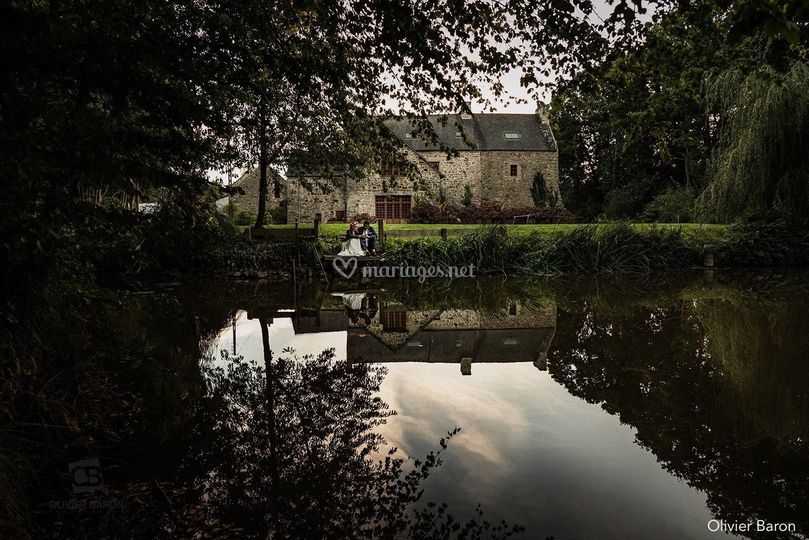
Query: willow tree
x,y
760,162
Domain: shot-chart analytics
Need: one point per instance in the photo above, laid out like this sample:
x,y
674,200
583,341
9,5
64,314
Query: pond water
x,y
587,408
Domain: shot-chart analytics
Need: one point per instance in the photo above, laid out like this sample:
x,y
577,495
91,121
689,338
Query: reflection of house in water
x,y
466,336
386,332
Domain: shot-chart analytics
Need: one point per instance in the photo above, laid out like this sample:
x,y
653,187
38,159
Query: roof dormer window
x,y
511,135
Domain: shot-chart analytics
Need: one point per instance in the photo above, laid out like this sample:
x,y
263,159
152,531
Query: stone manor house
x,y
507,152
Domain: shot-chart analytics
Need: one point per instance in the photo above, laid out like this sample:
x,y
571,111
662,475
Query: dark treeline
x,y
701,120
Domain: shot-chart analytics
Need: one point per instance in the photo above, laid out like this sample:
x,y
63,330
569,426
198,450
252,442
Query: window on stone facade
x,y
393,206
434,165
512,170
388,169
340,215
458,134
511,135
410,136
394,319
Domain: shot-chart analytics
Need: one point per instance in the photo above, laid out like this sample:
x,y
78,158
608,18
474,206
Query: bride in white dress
x,y
352,247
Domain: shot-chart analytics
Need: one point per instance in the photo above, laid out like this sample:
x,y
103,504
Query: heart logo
x,y
345,267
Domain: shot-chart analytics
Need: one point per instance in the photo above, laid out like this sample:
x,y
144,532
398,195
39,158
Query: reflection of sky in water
x,y
529,452
282,335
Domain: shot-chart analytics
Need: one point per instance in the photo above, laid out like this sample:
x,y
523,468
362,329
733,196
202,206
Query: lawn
x,y
706,231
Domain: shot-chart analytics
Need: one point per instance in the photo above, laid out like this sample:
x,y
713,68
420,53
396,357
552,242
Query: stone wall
x,y
415,321
249,201
458,172
318,196
515,191
357,196
519,316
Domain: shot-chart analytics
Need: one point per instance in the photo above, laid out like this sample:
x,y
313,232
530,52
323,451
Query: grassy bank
x,y
581,249
616,247
334,229
549,249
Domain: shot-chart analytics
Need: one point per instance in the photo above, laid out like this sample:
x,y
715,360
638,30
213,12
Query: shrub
x,y
587,249
278,215
768,240
242,255
426,212
627,201
540,194
245,217
467,195
442,196
675,205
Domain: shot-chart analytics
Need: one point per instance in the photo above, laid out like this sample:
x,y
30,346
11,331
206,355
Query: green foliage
x,y
675,205
278,215
540,194
627,200
591,249
274,216
467,195
761,162
426,212
241,256
637,122
766,241
245,217
442,196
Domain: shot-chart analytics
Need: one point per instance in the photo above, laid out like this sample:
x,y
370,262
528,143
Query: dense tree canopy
x,y
645,130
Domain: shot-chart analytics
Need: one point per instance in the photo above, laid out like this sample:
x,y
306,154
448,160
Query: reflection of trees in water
x,y
716,390
288,449
288,459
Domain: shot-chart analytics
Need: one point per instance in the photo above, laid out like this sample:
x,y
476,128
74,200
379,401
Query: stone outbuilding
x,y
498,158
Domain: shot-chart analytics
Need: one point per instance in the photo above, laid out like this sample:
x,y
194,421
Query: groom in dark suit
x,y
368,237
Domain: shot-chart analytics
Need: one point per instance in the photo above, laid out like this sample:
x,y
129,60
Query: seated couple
x,y
359,241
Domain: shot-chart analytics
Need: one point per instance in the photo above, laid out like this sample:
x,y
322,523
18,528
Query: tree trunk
x,y
270,395
262,169
687,173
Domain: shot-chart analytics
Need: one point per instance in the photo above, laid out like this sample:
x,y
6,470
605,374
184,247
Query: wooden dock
x,y
328,261
366,259
347,266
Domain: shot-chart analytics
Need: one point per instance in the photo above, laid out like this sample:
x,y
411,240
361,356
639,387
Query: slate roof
x,y
484,130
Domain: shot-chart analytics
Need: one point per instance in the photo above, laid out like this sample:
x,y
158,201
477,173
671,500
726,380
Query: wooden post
x,y
381,223
541,363
443,233
313,251
297,251
707,256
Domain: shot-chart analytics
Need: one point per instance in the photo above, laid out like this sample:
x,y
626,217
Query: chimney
x,y
464,114
544,112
